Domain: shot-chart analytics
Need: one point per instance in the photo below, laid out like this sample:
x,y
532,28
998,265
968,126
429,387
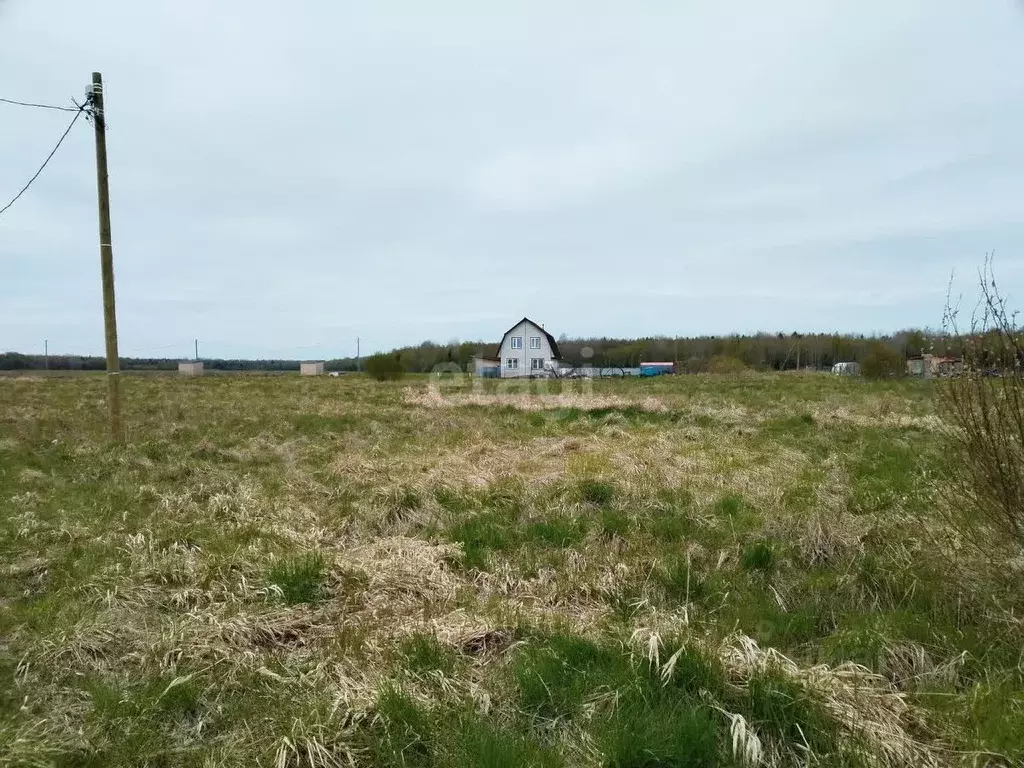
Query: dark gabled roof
x,y
551,339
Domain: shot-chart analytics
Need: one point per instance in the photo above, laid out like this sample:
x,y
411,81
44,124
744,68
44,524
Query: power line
x,y
37,106
78,114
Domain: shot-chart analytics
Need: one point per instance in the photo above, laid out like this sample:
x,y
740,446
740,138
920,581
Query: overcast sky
x,y
287,176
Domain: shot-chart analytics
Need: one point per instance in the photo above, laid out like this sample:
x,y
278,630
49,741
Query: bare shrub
x,y
723,364
384,367
984,406
693,365
882,362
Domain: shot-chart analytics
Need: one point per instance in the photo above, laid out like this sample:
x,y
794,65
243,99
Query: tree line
x,y
760,351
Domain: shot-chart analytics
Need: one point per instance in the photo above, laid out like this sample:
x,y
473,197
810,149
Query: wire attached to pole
x,y
37,106
78,113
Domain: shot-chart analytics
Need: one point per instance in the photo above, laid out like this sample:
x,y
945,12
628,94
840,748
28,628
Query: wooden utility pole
x,y
46,355
99,121
197,350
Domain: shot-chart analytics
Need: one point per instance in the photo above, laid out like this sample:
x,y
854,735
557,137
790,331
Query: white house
x,y
527,350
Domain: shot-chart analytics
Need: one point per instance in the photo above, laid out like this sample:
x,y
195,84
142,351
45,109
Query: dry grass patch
x,y
532,402
859,703
844,413
407,579
346,573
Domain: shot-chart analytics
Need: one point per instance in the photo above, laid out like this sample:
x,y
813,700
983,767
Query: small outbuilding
x,y
928,366
315,368
487,367
190,368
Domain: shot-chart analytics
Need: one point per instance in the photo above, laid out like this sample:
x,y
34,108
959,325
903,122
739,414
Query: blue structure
x,y
657,369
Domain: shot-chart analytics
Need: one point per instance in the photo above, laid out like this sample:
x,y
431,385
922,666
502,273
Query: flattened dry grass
x,y
322,572
571,400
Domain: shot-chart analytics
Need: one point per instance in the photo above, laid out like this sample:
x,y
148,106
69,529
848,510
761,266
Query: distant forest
x,y
763,351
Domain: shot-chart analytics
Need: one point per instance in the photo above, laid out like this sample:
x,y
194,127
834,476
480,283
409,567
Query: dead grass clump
x,y
907,663
714,417
178,564
38,742
567,596
709,468
281,632
887,417
830,534
861,703
828,537
402,508
403,574
401,487
486,642
242,641
473,636
317,745
99,643
240,505
533,402
31,574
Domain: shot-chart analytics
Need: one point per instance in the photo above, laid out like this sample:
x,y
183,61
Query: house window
x,y
517,342
511,362
535,342
537,363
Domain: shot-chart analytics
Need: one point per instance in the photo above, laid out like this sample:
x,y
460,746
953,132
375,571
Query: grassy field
x,y
694,571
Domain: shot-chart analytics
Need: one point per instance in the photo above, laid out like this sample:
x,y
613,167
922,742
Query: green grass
x,y
404,731
483,533
671,520
557,531
730,505
658,731
779,706
758,556
425,653
299,579
597,492
320,572
637,718
647,722
404,734
614,523
479,741
680,582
